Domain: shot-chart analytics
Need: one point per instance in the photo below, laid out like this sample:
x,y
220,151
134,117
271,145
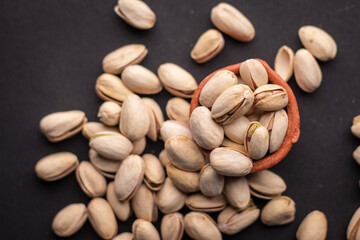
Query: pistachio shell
x,y
270,97
171,128
172,226
110,88
313,227
156,118
185,181
141,80
356,155
169,198
257,140
121,209
201,203
164,158
124,236
90,128
201,226
139,146
211,184
144,205
266,184
208,46
90,180
235,131
69,219
228,143
253,73
355,128
237,192
353,232
154,172
279,211
178,109
109,113
284,62
107,167
144,230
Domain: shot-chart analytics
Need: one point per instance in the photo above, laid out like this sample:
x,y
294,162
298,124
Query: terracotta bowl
x,y
293,132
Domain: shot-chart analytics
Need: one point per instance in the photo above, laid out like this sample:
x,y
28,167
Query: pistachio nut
x,y
313,227
164,158
235,131
171,128
256,140
208,46
121,209
237,192
111,145
169,198
110,88
109,113
183,180
211,183
278,211
284,63
172,226
239,80
134,119
353,232
102,218
124,236
136,13
228,143
107,167
140,79
270,97
277,124
215,86
69,219
156,118
356,155
307,71
266,184
177,80
144,230
201,203
201,226
207,133
154,172
62,125
127,55
178,109
318,42
129,177
355,128
139,146
255,116
230,162
90,180
184,153
253,73
233,103
232,22
144,205
232,220
56,166
90,128
356,120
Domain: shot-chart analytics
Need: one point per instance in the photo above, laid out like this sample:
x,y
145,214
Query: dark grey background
x,y
51,53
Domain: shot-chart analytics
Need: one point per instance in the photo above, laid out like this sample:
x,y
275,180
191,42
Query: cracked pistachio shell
x,y
353,232
56,166
355,128
256,140
228,143
154,172
356,155
230,162
59,126
109,113
208,46
233,103
111,145
134,119
270,97
110,88
156,118
136,13
231,220
318,42
170,199
90,180
211,183
107,167
284,62
201,226
127,55
171,128
144,205
266,184
141,80
121,209
253,73
172,226
183,180
129,177
90,128
201,203
231,21
277,124
235,131
177,80
313,227
139,146
164,158
278,211
237,192
69,219
307,71
184,153
207,133
215,86
144,230
124,236
178,109
102,218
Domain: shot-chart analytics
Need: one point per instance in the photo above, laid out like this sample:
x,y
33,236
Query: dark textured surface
x,y
51,53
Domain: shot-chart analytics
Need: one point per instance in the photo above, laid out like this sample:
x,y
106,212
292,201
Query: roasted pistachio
x,y
208,46
141,80
169,198
139,146
270,97
156,118
178,109
172,226
266,184
144,230
235,131
353,232
185,181
355,128
121,209
109,113
107,167
284,62
171,128
144,205
256,140
69,219
124,236
253,73
228,143
237,192
90,128
201,226
279,211
211,183
164,158
90,180
154,172
201,203
313,227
